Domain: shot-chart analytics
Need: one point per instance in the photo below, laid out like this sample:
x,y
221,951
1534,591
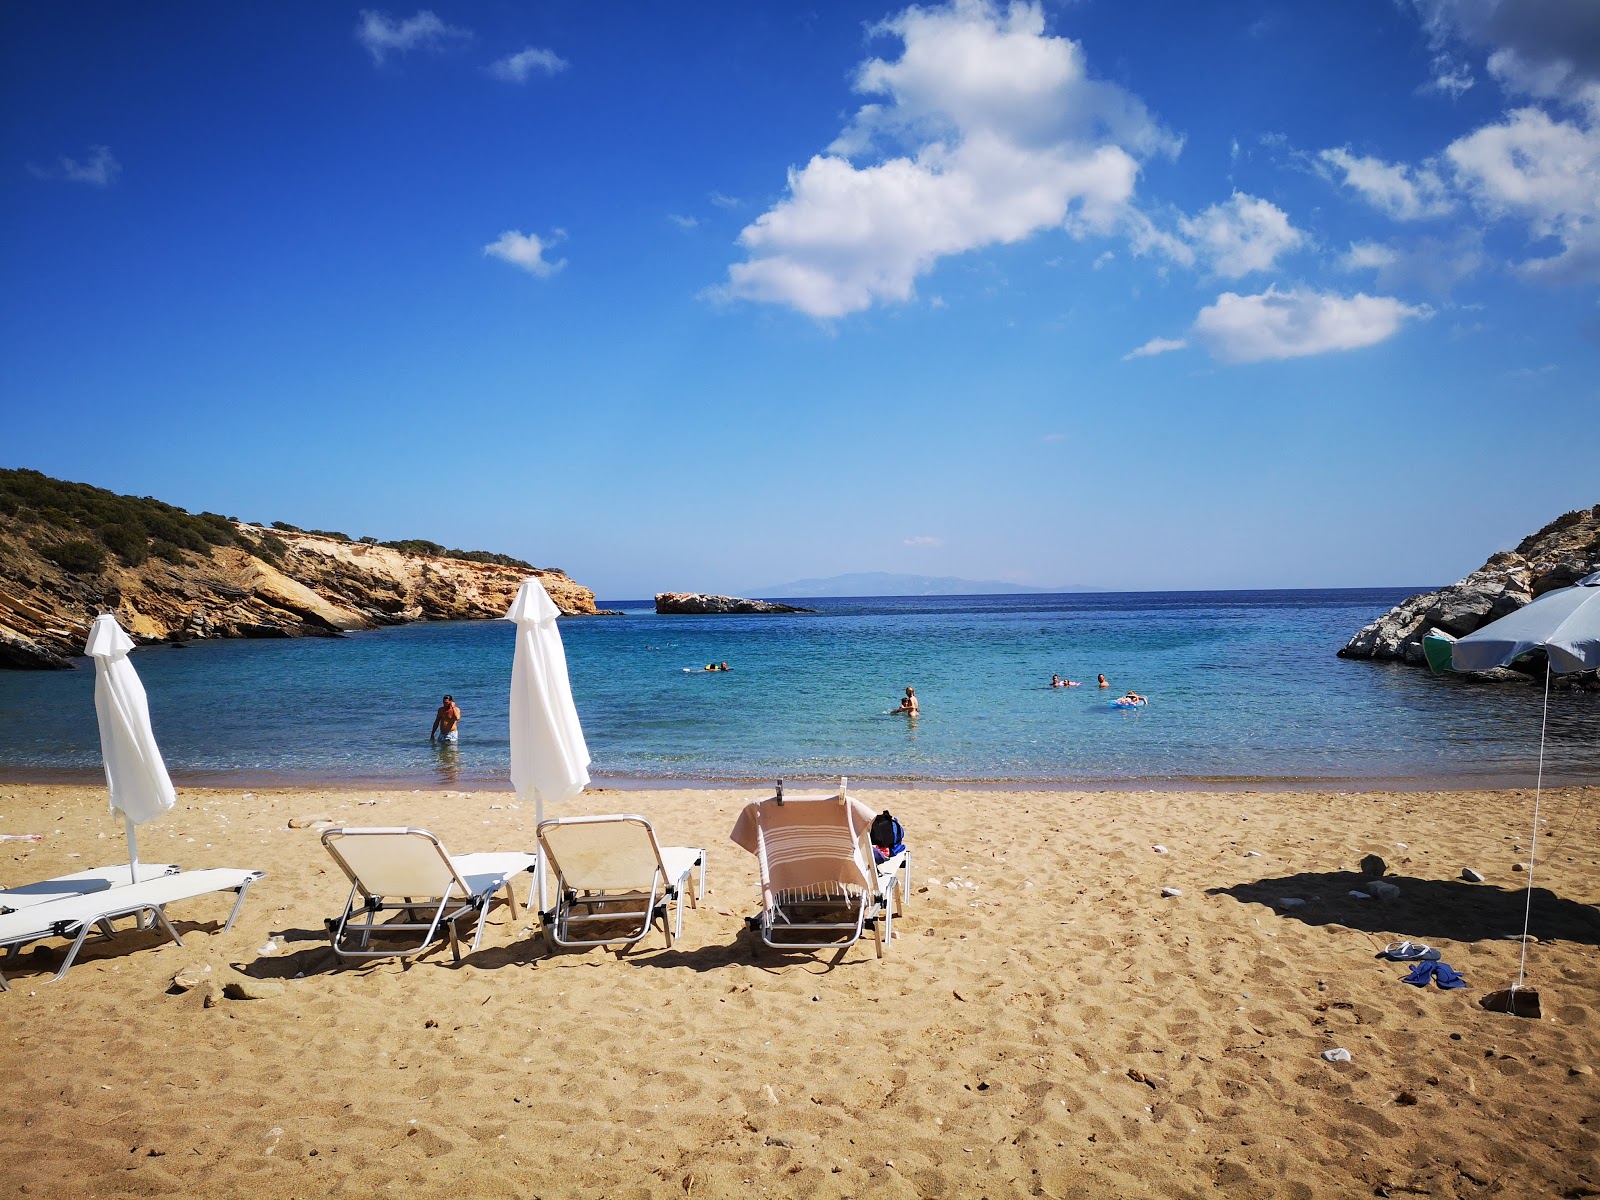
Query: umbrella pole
x,y
133,850
1533,841
538,862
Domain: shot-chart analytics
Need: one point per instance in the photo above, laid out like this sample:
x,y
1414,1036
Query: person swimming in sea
x,y
1103,682
1057,681
908,705
1134,698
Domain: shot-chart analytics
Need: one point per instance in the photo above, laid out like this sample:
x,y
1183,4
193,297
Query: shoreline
x,y
26,776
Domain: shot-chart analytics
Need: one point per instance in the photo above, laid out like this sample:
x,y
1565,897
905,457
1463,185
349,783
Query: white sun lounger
x,y
612,870
80,883
74,917
818,885
409,872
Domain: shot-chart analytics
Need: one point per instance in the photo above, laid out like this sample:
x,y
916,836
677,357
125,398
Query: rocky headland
x,y
701,604
69,551
1557,556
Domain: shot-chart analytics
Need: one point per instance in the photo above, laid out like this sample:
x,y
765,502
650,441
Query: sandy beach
x,y
1046,1023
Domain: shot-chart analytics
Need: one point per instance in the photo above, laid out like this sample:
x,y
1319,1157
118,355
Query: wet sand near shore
x,y
1045,1023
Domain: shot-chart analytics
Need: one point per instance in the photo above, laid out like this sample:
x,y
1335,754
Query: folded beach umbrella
x,y
549,759
1565,624
135,772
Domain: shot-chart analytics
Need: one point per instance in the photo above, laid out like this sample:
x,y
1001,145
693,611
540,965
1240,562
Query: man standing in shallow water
x,y
445,721
909,704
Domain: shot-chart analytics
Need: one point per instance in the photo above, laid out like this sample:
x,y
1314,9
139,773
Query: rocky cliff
x,y
56,574
1557,556
700,603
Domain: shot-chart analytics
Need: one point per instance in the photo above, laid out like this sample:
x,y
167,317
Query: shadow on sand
x,y
1443,910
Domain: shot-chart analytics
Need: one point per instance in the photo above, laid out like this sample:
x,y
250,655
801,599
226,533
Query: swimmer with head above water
x,y
1134,698
1103,682
908,705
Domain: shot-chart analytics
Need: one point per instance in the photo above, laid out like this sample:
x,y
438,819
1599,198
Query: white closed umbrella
x,y
135,773
549,759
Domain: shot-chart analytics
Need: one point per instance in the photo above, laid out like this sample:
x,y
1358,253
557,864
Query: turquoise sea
x,y
1243,686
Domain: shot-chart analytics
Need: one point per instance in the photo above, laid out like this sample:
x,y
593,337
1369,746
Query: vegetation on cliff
x,y
70,550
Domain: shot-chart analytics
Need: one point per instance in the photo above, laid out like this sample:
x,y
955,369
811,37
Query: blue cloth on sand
x,y
1441,973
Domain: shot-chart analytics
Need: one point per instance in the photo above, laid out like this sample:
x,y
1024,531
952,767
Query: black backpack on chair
x,y
888,837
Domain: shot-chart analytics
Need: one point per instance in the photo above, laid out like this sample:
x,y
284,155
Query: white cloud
x,y
527,250
683,222
1104,259
988,130
728,202
1292,324
1367,256
1246,234
1546,172
1155,346
99,170
1402,192
1427,264
922,540
523,65
383,35
1450,76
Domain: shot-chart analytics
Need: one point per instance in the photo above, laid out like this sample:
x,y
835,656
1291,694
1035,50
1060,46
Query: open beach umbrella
x,y
135,772
549,759
1565,624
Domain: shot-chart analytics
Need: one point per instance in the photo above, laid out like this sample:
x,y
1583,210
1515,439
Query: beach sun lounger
x,y
408,873
819,886
80,883
613,879
74,917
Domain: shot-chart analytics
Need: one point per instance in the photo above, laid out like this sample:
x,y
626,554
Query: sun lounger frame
x,y
75,917
576,909
364,910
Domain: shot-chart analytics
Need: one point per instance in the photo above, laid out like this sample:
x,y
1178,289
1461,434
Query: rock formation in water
x,y
696,602
1557,556
69,551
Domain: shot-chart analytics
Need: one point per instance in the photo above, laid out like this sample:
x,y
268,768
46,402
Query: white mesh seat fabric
x,y
79,883
613,879
404,873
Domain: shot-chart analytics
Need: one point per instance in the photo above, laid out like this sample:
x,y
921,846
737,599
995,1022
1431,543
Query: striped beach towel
x,y
810,847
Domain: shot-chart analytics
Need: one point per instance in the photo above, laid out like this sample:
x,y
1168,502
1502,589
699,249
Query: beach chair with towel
x,y
819,884
614,879
407,873
74,916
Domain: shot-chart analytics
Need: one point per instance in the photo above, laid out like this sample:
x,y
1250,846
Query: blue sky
x,y
1128,295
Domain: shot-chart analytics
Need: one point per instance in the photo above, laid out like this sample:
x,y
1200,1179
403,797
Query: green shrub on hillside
x,y
80,556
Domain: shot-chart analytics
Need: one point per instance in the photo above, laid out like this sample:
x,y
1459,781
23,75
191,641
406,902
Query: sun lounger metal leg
x,y
237,905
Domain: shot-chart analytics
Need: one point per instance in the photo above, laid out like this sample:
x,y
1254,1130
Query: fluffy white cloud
x,y
1155,346
383,35
523,65
526,250
988,130
1292,324
1546,172
1404,193
1367,256
100,169
1246,234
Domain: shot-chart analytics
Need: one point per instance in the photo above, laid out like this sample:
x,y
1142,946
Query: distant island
x,y
883,583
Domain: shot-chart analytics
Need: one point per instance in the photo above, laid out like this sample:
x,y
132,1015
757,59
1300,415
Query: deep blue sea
x,y
1242,686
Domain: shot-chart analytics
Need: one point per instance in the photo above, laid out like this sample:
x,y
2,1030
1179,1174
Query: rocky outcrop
x,y
1557,556
316,587
696,602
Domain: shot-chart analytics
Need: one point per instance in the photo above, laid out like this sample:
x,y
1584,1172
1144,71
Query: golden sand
x,y
1046,1023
